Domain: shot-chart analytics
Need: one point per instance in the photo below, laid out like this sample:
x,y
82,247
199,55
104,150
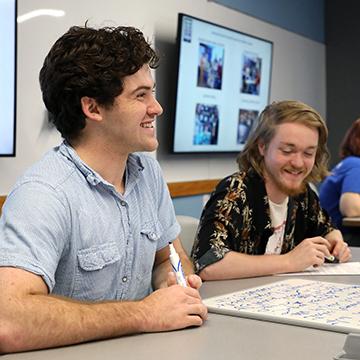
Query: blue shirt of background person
x,y
340,192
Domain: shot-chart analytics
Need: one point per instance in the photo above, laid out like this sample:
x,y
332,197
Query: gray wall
x,y
342,69
304,17
298,73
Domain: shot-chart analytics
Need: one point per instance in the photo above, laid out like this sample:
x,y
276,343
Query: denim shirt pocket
x,y
152,230
97,272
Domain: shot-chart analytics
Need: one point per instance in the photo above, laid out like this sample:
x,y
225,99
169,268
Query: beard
x,y
289,191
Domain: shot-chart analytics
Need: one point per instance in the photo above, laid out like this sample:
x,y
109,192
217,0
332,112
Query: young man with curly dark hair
x,y
84,233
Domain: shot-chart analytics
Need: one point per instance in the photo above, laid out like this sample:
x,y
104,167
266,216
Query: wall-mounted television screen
x,y
223,83
7,76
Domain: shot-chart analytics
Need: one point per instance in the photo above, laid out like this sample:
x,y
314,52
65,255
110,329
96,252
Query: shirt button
x,y
152,236
124,279
123,203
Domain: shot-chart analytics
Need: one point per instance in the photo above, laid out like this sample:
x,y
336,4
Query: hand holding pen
x,y
338,247
174,307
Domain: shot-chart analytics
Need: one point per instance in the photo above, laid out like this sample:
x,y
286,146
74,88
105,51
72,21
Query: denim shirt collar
x,y
133,169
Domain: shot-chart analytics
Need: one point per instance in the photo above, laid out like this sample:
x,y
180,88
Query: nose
x,y
297,160
155,109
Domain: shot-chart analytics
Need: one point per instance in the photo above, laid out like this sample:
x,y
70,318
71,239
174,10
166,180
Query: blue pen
x,y
176,265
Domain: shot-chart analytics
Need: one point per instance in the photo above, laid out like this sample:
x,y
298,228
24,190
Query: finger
x,y
345,254
343,250
194,320
171,279
199,309
319,259
194,281
321,241
323,249
192,292
192,300
204,313
339,248
345,258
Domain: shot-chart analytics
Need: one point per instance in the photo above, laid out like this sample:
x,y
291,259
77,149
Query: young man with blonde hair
x,y
266,219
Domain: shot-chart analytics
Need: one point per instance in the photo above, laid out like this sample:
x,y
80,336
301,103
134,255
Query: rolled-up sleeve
x,y
32,230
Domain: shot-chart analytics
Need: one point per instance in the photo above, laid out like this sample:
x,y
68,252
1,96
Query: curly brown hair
x,y
287,111
350,145
90,62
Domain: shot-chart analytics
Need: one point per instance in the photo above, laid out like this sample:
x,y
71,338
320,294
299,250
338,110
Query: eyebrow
x,y
294,146
143,87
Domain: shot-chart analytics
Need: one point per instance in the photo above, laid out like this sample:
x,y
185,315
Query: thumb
x,y
171,279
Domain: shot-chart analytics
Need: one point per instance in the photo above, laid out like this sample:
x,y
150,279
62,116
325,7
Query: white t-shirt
x,y
278,214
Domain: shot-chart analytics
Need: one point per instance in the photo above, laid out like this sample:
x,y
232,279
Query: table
x,y
221,337
351,221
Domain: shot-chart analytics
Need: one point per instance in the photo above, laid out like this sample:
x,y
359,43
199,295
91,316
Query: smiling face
x,y
128,125
288,159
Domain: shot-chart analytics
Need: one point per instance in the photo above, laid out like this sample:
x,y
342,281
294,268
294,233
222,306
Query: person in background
x,y
340,191
84,233
266,219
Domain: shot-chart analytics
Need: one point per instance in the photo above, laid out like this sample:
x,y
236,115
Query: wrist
x,y
145,316
286,264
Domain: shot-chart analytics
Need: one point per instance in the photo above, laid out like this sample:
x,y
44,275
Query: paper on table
x,y
349,268
303,302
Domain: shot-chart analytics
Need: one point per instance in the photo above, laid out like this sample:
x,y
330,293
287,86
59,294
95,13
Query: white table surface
x,y
221,337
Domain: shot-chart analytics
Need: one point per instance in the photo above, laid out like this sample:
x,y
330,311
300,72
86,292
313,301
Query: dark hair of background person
x,y
90,62
277,113
350,145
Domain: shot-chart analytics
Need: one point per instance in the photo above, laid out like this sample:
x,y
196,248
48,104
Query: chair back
x,y
189,225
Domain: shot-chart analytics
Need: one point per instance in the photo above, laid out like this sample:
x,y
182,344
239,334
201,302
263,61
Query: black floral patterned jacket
x,y
237,218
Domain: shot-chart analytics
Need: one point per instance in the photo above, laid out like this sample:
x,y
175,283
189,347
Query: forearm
x,y
30,318
41,321
160,274
350,204
186,263
334,236
237,265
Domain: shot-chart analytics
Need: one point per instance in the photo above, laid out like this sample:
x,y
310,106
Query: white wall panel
x,y
298,71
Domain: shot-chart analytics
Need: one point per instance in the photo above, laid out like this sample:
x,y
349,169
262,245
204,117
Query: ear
x,y
90,108
261,147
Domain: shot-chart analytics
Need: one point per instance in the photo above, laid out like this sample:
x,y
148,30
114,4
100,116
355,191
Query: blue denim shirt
x,y
65,223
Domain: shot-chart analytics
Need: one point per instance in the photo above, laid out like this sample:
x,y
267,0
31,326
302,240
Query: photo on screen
x,y
206,125
251,74
187,30
211,59
247,119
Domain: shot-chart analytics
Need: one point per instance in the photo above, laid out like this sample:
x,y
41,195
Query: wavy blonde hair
x,y
277,113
